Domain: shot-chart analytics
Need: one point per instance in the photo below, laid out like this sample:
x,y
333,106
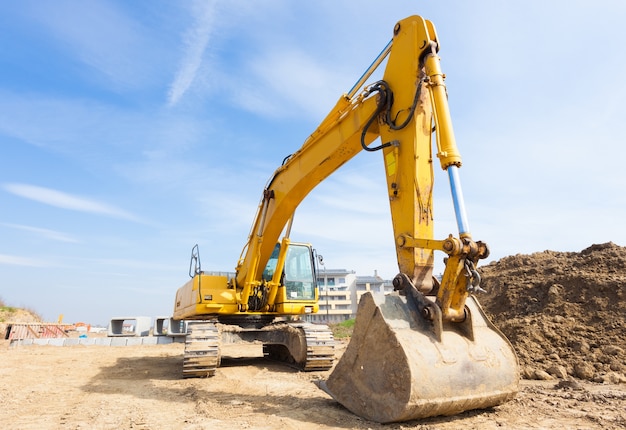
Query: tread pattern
x,y
320,347
202,349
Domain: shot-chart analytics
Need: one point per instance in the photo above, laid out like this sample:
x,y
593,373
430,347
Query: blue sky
x,y
130,131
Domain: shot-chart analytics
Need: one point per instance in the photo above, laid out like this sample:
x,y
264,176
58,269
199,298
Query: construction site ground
x,y
140,387
565,314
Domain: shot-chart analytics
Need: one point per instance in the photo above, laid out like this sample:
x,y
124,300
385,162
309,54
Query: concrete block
x,y
71,341
162,340
161,326
40,341
129,326
56,341
103,341
87,341
177,328
118,341
134,341
149,340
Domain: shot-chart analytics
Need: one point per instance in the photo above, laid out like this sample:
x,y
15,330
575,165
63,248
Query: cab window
x,y
299,276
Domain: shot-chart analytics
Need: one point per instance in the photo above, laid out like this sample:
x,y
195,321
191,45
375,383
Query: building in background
x,y
340,291
374,284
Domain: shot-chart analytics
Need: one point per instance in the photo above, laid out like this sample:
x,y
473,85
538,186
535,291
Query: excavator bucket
x,y
402,364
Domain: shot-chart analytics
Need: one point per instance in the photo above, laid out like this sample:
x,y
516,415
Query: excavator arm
x,y
401,110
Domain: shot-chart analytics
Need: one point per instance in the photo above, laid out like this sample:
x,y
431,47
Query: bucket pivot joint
x,y
425,313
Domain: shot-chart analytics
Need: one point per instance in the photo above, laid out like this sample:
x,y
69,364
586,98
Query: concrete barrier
x,y
129,326
177,328
133,341
165,340
161,326
150,340
124,331
104,341
118,341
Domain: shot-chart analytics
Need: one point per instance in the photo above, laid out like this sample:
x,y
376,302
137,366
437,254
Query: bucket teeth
x,y
398,368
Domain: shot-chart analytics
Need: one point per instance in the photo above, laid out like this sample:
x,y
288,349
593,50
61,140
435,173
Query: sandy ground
x,y
140,387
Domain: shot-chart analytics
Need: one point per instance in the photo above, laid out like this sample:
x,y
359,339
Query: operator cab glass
x,y
298,274
270,267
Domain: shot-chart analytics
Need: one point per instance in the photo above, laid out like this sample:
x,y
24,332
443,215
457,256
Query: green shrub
x,y
343,329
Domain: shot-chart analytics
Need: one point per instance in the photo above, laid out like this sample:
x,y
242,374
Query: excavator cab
x,y
298,280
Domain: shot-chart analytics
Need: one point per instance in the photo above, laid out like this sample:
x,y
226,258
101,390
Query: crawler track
x,y
320,347
202,349
304,346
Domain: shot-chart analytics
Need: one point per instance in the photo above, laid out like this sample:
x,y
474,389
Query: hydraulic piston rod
x,y
448,153
457,200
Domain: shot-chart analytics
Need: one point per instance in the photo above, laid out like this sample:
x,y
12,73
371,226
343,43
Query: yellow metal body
x,y
416,104
411,356
402,112
212,295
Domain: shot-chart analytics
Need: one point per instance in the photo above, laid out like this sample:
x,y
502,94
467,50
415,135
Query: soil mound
x,y
564,312
9,314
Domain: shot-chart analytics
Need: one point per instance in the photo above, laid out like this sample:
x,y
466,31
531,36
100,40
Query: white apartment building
x,y
340,291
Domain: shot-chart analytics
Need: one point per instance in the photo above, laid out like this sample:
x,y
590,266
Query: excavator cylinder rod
x,y
458,201
383,54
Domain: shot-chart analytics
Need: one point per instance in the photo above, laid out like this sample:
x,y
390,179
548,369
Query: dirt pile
x,y
10,314
564,312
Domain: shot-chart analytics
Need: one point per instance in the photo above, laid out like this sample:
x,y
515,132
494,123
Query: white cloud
x,y
78,128
121,264
196,40
102,36
14,260
48,234
290,82
67,201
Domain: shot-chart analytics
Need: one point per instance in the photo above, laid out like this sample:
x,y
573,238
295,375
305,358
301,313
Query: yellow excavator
x,y
427,348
